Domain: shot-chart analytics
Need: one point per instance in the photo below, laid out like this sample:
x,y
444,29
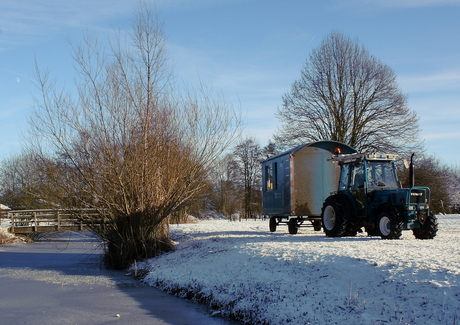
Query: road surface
x,y
62,281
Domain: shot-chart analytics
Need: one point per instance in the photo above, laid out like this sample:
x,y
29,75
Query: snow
x,y
5,236
242,270
4,207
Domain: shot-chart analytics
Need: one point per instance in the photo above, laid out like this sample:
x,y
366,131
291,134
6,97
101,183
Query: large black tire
x,y
429,228
389,225
333,217
272,223
292,226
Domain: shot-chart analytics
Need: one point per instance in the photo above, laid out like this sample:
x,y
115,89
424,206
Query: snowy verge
x,y
242,270
5,236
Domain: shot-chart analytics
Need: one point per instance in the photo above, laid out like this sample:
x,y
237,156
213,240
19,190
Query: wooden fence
x,y
48,220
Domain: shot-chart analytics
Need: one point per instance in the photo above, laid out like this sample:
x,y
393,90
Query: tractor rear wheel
x,y
429,228
389,225
333,217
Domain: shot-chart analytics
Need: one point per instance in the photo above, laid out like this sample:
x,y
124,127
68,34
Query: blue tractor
x,y
370,196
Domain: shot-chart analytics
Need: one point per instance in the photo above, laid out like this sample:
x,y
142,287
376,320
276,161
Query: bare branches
x,y
347,95
128,144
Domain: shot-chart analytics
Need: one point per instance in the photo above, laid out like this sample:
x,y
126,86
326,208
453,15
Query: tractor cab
x,y
363,174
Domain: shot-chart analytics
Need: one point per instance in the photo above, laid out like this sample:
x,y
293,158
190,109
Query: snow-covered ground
x,y
242,270
5,236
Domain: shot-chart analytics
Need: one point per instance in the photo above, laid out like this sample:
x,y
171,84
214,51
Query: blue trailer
x,y
295,183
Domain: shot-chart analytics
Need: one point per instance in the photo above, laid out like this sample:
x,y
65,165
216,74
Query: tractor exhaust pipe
x,y
411,171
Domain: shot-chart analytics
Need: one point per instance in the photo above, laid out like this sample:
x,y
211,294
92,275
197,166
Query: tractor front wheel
x,y
429,228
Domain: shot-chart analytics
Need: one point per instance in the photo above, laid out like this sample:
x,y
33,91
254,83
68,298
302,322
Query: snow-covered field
x,y
242,270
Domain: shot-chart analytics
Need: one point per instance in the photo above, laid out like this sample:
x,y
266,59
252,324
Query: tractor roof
x,y
364,156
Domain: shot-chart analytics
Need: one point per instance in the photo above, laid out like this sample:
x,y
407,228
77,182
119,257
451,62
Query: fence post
x,y
58,217
80,222
35,221
12,223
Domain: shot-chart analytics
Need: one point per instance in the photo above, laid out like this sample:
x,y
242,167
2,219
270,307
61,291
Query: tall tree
x,y
248,154
128,144
226,193
346,94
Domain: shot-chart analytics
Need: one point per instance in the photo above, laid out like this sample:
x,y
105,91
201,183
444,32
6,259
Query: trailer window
x,y
270,176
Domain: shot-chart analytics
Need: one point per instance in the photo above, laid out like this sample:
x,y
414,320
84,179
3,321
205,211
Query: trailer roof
x,y
326,144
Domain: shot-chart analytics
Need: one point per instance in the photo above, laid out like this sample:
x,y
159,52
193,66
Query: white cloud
x,y
443,81
22,21
225,72
437,115
409,3
440,136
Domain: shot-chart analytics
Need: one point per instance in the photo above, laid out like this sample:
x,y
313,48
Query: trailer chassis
x,y
294,223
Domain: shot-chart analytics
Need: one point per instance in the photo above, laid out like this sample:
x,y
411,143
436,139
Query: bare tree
x,y
19,180
346,94
128,144
248,154
270,149
226,194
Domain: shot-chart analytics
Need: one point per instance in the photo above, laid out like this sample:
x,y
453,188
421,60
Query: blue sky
x,y
250,51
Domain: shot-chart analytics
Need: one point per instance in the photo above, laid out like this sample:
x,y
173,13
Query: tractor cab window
x,y
357,179
344,177
382,174
357,186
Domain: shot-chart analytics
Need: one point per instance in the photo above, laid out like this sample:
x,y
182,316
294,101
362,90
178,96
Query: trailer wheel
x,y
389,226
272,223
429,228
292,226
316,225
333,217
